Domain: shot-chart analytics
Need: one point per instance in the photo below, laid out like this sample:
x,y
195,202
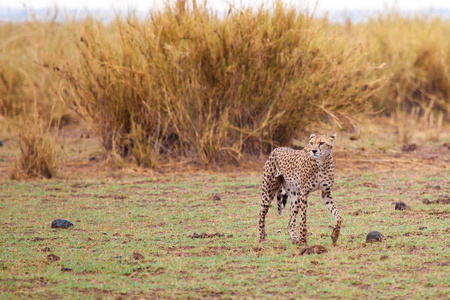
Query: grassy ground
x,y
156,216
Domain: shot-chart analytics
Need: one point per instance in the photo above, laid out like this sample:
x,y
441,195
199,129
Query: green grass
x,y
156,215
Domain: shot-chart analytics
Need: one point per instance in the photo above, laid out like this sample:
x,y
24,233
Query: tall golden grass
x,y
28,52
187,83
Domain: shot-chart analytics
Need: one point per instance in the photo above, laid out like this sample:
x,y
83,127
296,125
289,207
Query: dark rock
x,y
66,269
1,143
53,257
92,158
422,227
61,223
384,257
401,206
216,197
316,249
374,236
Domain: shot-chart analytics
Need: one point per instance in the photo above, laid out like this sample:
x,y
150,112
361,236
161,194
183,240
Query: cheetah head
x,y
321,145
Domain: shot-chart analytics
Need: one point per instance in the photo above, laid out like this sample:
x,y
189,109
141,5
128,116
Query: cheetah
x,y
294,174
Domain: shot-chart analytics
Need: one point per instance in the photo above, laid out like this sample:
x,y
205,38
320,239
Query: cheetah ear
x,y
312,135
333,138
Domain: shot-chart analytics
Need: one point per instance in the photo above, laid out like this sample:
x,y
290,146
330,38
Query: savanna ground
x,y
134,231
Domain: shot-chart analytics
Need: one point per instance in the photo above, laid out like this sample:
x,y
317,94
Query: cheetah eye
x,y
321,143
311,143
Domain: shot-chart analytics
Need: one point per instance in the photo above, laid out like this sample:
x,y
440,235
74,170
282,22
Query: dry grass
x,y
38,149
28,52
186,84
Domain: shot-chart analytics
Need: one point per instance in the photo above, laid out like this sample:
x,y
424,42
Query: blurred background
x,y
209,84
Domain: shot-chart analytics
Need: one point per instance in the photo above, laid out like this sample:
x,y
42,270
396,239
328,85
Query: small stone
x,y
66,269
422,227
1,143
92,158
53,257
61,223
374,236
384,257
401,206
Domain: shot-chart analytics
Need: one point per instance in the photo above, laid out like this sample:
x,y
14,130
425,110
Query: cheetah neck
x,y
323,162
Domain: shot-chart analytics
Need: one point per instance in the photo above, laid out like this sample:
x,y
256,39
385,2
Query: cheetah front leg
x,y
328,200
298,204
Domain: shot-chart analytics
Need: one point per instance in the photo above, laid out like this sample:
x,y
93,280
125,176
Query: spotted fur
x,y
296,173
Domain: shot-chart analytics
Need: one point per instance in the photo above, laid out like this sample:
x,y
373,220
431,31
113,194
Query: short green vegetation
x,y
132,237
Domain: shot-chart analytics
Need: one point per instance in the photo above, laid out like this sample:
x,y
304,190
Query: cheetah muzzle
x,y
295,174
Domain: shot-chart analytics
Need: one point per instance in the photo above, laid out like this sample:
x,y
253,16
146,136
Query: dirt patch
x,y
316,249
361,212
444,200
409,147
208,236
437,263
117,197
52,258
138,256
147,271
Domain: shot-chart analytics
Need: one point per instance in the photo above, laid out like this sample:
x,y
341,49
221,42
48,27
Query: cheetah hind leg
x,y
282,200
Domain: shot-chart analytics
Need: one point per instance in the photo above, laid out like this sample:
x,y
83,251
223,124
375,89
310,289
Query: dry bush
x,y
187,83
38,149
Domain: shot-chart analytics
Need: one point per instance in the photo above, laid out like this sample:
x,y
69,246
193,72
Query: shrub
x,y
187,83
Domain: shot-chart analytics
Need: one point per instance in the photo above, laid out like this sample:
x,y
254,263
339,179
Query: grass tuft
x,y
38,150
